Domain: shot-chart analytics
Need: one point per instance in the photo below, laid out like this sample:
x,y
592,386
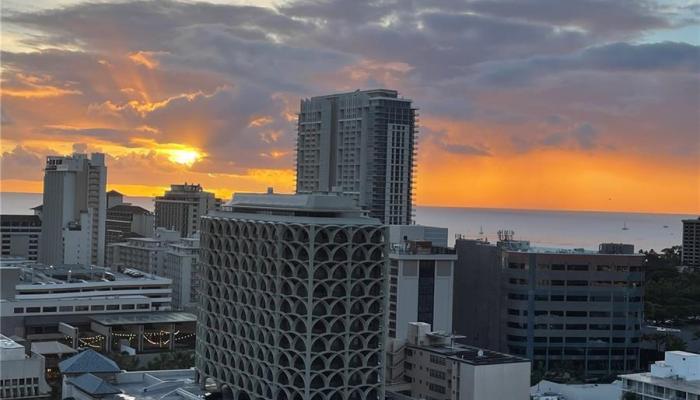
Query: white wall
x,y
495,382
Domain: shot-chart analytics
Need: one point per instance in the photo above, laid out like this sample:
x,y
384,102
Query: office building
x,y
435,367
293,299
35,298
181,264
361,143
21,372
573,310
181,207
125,220
20,236
690,253
74,210
677,377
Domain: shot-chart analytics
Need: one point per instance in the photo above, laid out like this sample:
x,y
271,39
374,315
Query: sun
x,y
183,156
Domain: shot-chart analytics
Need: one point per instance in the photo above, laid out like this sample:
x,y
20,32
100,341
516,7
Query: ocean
x,y
567,229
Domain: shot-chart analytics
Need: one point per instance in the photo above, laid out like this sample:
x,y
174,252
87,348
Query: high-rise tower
x,y
360,143
293,299
74,211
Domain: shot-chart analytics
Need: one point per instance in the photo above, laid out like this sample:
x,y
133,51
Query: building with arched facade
x,y
293,299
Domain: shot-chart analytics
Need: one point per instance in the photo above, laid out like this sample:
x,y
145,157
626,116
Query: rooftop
x,y
159,385
93,385
302,208
53,347
672,383
162,317
7,343
36,274
88,361
469,354
128,208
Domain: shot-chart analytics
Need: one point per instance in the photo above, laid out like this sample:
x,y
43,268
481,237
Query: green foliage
x,y
665,342
670,294
172,360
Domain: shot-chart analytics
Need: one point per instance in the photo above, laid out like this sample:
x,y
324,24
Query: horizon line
x,y
477,207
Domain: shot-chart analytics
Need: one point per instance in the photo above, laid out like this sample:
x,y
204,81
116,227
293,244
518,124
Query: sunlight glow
x,y
183,156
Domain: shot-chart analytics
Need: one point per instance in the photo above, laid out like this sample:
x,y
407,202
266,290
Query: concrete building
x,y
690,253
142,253
436,368
181,264
420,280
165,254
361,143
21,372
36,298
546,390
293,299
181,207
675,378
125,220
20,236
573,310
74,210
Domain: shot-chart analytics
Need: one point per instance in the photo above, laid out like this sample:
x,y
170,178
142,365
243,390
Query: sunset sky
x,y
535,104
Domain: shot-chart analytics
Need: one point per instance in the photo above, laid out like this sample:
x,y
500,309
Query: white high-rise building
x,y
74,210
361,143
293,299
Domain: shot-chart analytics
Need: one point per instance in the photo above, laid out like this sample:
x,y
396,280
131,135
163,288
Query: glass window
x,y
19,310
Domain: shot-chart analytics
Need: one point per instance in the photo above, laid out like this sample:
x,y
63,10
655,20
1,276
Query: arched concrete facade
x,y
292,310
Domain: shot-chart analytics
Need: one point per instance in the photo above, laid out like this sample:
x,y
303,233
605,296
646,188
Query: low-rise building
x,y
142,253
435,367
20,235
677,377
21,372
35,298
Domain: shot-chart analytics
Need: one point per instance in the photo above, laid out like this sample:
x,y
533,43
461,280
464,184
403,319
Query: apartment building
x,y
21,372
362,144
690,253
181,207
20,236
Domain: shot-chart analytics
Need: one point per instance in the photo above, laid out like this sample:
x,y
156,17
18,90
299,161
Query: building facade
x,y
361,143
293,299
573,310
677,377
125,220
435,367
690,253
181,207
37,297
142,253
20,236
181,264
21,372
420,282
74,210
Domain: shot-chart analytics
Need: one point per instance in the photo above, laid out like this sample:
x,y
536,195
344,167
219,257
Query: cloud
x,y
493,78
21,163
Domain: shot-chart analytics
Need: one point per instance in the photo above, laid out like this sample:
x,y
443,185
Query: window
x,y
128,307
97,308
65,308
576,298
578,268
557,282
112,307
576,313
577,283
81,308
143,306
19,310
33,309
49,309
557,267
603,268
437,360
436,388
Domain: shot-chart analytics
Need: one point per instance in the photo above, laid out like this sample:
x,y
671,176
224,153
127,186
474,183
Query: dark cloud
x,y
197,74
596,16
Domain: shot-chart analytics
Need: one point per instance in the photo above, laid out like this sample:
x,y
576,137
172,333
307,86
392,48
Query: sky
x,y
531,104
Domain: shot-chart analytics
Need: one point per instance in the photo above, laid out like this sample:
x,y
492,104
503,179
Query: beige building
x,y
437,368
180,208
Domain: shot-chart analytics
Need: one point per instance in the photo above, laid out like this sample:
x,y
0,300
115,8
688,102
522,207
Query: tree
x,y
172,360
